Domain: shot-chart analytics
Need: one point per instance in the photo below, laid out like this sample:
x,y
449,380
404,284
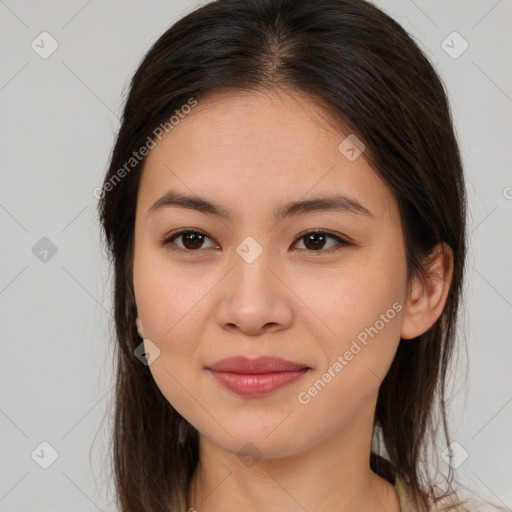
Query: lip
x,y
256,377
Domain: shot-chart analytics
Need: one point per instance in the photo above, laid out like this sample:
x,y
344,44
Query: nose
x,y
254,298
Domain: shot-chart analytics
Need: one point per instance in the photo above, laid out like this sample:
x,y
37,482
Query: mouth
x,y
256,377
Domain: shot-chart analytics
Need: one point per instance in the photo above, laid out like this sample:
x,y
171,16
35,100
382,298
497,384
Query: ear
x,y
139,328
428,295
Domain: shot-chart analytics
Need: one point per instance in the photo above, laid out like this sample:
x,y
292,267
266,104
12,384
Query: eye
x,y
193,239
315,240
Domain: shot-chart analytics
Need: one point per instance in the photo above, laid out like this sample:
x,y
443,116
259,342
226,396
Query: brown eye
x,y
191,239
315,241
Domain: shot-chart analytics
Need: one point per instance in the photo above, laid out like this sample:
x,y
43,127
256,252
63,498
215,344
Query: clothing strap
x,y
400,486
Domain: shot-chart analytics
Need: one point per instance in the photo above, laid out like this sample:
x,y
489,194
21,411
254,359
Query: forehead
x,y
247,150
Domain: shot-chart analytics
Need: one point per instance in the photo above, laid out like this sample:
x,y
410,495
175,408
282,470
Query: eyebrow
x,y
335,202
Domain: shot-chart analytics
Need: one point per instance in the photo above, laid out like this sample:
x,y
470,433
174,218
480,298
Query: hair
x,y
371,79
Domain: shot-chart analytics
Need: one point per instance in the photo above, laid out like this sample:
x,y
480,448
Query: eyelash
x,y
167,241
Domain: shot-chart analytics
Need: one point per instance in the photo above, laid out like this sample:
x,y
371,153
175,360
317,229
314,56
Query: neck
x,y
334,475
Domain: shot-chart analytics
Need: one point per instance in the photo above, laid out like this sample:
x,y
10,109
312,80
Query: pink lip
x,y
256,377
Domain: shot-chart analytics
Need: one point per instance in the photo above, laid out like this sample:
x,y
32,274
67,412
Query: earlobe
x,y
428,295
139,328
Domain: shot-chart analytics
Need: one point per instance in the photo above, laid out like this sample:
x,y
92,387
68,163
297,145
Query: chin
x,y
256,443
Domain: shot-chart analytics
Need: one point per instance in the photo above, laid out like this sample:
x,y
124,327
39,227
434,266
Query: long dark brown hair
x,y
371,79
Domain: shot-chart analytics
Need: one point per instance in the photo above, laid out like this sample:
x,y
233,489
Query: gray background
x,y
59,116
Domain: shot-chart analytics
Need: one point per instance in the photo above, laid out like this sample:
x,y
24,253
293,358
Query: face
x,y
255,284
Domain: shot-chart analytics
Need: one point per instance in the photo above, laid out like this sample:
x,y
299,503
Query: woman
x,y
285,212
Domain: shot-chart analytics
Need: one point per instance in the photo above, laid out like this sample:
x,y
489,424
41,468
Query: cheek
x,y
360,312
348,298
168,304
355,359
167,298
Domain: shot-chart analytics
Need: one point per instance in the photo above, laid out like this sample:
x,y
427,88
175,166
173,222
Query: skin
x,y
250,152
